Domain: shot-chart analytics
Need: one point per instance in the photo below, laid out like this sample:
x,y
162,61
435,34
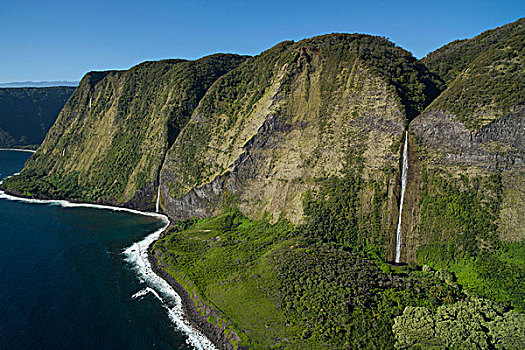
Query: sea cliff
x,y
278,170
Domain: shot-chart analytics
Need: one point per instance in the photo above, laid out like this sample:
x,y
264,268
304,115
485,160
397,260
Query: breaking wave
x,y
137,256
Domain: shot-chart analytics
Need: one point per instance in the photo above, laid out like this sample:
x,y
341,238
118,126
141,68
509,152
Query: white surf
x,y
136,256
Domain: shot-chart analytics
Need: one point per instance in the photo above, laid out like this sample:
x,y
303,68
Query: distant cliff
x,y
26,114
108,143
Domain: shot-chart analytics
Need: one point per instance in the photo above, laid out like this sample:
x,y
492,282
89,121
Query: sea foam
x,y
137,256
17,150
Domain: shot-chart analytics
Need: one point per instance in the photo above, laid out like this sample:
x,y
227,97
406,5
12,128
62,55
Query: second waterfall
x,y
404,170
157,204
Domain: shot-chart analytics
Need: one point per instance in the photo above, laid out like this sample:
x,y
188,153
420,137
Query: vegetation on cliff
x,y
26,114
460,225
296,113
286,169
333,214
467,179
110,139
449,61
485,75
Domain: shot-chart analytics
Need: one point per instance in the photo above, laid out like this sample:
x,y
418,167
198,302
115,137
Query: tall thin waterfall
x,y
157,206
404,171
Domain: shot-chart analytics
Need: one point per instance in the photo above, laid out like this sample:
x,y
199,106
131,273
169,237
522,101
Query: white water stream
x,y
157,205
404,171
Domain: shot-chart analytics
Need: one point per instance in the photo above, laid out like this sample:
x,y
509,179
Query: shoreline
x,y
66,203
196,319
138,256
144,270
18,150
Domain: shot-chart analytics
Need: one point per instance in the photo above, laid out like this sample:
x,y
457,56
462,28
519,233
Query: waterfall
x,y
90,102
404,171
157,206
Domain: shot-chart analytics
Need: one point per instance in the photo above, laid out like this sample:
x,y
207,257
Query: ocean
x,y
66,281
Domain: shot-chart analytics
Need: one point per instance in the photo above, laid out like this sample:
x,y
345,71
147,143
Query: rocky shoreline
x,y
30,150
214,333
39,196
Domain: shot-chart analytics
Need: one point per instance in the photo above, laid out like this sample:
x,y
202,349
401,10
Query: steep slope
x,y
110,139
465,200
26,114
289,119
484,75
299,151
452,59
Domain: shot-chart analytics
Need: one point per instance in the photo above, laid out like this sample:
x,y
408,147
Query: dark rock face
x,y
143,199
201,201
500,145
196,203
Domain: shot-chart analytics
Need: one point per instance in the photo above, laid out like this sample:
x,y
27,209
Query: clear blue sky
x,y
62,40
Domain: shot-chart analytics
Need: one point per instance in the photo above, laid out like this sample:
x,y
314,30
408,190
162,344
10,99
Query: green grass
x,y
277,289
226,259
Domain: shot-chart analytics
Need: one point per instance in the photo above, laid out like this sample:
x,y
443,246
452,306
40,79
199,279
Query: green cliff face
x,y
472,136
292,118
26,114
451,60
109,141
465,202
484,75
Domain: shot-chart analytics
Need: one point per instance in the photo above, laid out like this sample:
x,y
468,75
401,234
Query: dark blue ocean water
x,y
64,283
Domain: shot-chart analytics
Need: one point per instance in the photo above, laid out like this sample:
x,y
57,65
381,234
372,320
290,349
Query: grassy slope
x,y
26,114
226,260
485,75
277,289
452,59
